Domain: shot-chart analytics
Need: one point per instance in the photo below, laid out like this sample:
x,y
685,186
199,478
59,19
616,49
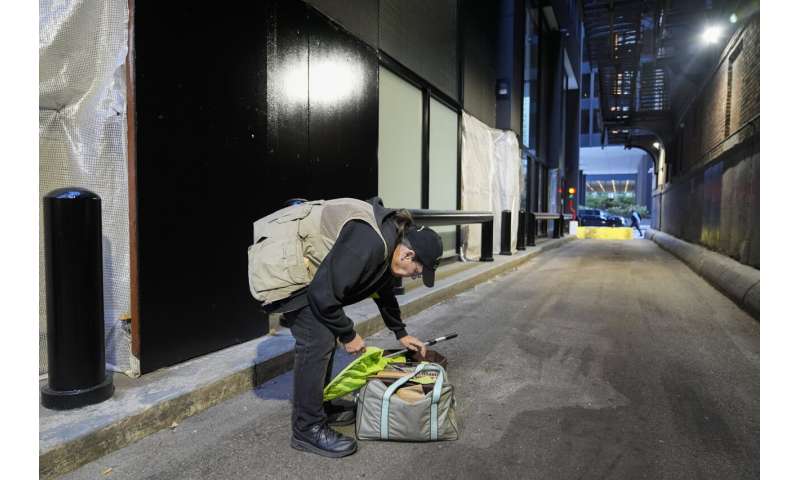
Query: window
x,y
596,125
526,114
402,163
584,121
399,142
443,168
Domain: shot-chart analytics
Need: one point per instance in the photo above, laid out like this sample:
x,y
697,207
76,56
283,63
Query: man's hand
x,y
414,344
355,345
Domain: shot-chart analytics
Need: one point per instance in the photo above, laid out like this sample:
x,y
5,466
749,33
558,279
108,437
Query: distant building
x,y
608,171
615,171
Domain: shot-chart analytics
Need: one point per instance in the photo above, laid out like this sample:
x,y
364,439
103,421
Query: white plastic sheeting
x,y
83,143
490,179
506,173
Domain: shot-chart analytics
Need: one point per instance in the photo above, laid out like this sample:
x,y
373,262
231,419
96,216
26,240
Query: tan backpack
x,y
291,243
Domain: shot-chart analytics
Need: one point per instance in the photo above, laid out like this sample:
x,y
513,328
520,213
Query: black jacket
x,y
353,270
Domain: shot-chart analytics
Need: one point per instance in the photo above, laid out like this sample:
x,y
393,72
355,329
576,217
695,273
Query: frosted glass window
x,y
443,167
399,142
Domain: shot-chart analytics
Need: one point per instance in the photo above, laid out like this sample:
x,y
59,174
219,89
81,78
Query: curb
x,y
739,282
98,442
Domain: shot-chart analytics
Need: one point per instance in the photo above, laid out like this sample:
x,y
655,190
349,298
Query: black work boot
x,y
340,413
325,441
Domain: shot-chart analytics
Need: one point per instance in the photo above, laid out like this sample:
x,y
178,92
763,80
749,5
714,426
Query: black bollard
x,y
73,247
533,228
487,234
556,228
522,230
505,232
399,289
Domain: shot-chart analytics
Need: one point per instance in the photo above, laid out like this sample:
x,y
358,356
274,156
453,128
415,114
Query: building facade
x,y
287,99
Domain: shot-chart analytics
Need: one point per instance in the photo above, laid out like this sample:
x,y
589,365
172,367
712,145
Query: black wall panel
x,y
359,17
343,113
287,105
511,64
223,138
517,85
569,16
479,34
423,36
505,62
553,105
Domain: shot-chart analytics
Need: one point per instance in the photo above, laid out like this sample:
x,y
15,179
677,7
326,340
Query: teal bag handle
x,y
437,392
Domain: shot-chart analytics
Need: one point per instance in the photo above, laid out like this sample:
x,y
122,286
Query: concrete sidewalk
x,y
164,398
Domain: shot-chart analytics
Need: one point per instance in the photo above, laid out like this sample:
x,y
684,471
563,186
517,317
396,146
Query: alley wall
x,y
711,194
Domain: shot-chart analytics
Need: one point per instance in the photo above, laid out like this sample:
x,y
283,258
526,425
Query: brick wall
x,y
711,111
712,197
746,77
729,99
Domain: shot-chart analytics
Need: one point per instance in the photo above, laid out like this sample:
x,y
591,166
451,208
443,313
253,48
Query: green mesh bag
x,y
354,376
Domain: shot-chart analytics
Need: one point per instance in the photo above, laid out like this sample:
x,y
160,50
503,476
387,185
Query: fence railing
x,y
439,218
526,229
559,220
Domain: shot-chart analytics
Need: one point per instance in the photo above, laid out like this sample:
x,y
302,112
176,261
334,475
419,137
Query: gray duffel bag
x,y
383,415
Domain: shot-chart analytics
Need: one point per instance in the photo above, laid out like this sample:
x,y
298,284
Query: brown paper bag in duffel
x,y
381,414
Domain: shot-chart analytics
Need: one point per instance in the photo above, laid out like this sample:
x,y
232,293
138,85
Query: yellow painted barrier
x,y
606,233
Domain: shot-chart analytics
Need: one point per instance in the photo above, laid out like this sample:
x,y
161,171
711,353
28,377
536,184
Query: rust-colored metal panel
x,y
130,72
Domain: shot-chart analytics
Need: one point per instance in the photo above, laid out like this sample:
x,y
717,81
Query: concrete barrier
x,y
605,233
738,282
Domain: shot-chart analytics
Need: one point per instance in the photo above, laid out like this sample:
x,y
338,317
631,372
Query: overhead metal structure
x,y
648,57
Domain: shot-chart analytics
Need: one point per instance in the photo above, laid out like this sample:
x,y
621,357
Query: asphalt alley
x,y
596,360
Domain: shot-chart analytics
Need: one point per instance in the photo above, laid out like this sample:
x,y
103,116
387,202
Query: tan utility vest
x,y
290,244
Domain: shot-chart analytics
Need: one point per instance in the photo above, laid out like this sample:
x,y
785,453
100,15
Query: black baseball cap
x,y
427,246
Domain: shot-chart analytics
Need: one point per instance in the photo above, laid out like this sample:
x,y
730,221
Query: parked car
x,y
592,217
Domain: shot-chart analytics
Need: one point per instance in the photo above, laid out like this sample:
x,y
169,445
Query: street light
x,y
712,34
733,18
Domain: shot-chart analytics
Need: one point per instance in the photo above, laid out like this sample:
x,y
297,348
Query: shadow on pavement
x,y
280,387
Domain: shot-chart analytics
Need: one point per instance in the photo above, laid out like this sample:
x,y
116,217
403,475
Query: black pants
x,y
314,348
